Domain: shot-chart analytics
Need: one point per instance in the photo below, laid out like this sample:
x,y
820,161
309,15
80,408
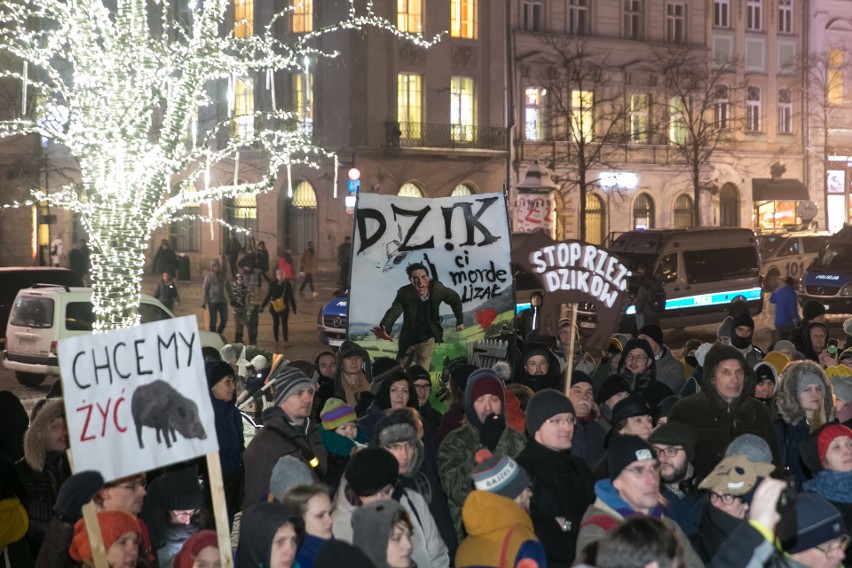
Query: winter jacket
x,y
652,390
670,370
338,448
500,533
588,440
306,556
258,526
684,506
54,548
280,290
406,304
562,486
239,298
167,293
786,306
553,379
714,528
215,289
265,449
229,431
456,460
452,419
308,262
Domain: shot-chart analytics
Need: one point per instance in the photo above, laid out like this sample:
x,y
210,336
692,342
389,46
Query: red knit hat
x,y
196,543
487,385
113,524
827,435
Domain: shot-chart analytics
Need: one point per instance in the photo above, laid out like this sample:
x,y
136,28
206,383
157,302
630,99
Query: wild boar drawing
x,y
160,406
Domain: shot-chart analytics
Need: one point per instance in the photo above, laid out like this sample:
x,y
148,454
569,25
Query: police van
x,y
702,271
787,253
828,280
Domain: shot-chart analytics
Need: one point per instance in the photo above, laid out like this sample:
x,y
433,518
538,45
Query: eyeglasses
x,y
670,451
133,485
638,358
561,421
724,498
422,387
838,544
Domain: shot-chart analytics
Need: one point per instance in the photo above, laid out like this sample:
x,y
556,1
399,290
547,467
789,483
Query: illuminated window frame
x,y
242,124
303,96
409,95
582,115
302,17
463,108
409,15
243,18
463,19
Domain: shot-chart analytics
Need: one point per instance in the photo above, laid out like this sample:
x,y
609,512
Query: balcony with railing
x,y
447,136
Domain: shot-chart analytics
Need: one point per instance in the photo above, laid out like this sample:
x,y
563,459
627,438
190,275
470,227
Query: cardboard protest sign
x,y
137,399
463,245
576,272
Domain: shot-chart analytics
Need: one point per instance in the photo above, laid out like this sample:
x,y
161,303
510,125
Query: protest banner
x,y
463,245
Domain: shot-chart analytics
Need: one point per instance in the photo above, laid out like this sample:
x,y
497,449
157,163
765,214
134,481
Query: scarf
x,y
833,485
638,382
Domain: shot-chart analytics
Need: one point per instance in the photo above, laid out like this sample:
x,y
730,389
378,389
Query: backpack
x,y
657,296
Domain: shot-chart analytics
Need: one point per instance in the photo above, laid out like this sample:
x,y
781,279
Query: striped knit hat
x,y
499,474
336,413
288,381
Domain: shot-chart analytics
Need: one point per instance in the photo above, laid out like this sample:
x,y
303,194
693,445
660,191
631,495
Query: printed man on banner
x,y
418,304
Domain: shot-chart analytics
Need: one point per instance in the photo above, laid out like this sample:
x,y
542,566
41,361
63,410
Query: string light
x,y
130,93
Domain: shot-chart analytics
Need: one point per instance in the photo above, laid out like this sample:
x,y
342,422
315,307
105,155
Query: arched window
x,y
595,219
729,206
643,212
683,213
302,216
409,190
462,189
304,195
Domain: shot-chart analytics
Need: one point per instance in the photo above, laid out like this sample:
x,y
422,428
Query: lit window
x,y
676,23
302,16
753,109
785,111
722,13
303,96
462,189
462,109
534,107
582,127
243,18
409,15
578,17
639,119
241,211
304,196
409,106
243,122
633,19
533,15
754,15
835,76
683,213
785,16
643,212
721,107
677,121
463,18
409,190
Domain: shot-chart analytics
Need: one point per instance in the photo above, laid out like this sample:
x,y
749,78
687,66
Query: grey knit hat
x,y
753,447
842,387
289,472
288,381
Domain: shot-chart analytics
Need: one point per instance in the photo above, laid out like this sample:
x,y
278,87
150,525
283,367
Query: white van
x,y
784,254
42,315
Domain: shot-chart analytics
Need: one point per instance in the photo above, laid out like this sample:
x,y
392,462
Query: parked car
x,y
828,279
14,278
43,315
784,254
333,318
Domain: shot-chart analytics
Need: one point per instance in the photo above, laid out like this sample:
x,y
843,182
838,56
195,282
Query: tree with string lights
x,y
131,82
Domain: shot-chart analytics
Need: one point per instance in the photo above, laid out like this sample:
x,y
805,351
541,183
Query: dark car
x,y
15,278
333,319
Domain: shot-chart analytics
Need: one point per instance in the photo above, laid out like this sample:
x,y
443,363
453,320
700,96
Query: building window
x,y
243,18
462,189
302,17
785,16
409,106
187,231
633,19
241,211
676,23
578,17
242,124
534,108
463,19
303,96
532,16
785,111
754,15
582,119
753,109
643,212
301,217
595,220
677,121
721,107
409,15
409,190
729,207
835,76
639,119
462,109
722,13
683,213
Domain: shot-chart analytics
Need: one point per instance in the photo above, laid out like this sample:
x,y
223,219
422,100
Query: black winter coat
x,y
42,488
229,431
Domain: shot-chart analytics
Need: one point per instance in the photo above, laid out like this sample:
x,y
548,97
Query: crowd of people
x,y
728,455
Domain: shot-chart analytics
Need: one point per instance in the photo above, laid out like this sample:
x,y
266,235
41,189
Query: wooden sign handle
x,y
93,530
569,363
220,509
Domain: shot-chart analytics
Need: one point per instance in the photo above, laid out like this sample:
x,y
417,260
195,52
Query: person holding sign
x,y
418,304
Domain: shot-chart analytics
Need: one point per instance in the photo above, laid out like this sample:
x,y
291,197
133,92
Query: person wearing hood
x,y
287,430
484,407
215,296
842,388
229,431
270,535
566,333
741,338
612,391
325,369
694,383
804,403
812,312
814,341
392,389
384,531
539,368
170,511
500,531
638,367
669,370
44,467
562,484
353,374
401,432
724,408
674,446
589,434
765,379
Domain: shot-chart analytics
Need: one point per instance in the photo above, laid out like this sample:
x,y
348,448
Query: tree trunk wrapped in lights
x,y
130,83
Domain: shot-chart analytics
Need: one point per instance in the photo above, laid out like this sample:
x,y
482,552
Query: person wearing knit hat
x,y
786,348
725,330
612,391
632,416
754,448
287,431
372,471
421,386
502,475
562,482
669,370
120,533
340,435
289,472
589,433
813,310
821,538
805,403
484,407
674,445
765,380
723,409
842,388
539,368
741,338
229,430
171,507
383,531
778,361
202,549
639,368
